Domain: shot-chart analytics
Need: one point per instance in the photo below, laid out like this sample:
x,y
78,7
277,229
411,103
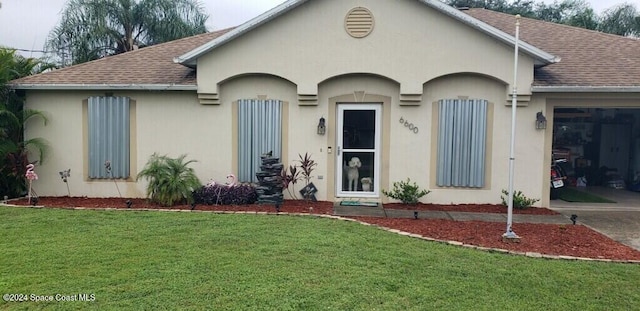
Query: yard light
x,y
415,214
573,218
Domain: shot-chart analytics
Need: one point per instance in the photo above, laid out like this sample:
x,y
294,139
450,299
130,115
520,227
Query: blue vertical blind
x,y
462,138
259,131
109,136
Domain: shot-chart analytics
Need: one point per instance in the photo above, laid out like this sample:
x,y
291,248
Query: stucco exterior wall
x,y
171,123
411,44
413,50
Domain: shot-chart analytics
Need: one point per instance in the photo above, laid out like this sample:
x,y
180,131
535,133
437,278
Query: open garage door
x,y
601,146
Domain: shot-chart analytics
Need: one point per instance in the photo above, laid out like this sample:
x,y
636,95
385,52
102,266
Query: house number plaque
x,y
408,125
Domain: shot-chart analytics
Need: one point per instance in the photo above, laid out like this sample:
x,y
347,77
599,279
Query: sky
x,y
25,24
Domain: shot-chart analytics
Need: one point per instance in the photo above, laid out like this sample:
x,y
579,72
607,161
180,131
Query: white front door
x,y
358,150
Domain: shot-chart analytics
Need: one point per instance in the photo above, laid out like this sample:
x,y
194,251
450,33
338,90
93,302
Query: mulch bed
x,y
549,239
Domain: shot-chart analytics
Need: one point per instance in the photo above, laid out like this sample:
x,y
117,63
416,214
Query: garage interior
x,y
601,146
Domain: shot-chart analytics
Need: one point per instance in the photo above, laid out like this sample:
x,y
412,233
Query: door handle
x,y
339,150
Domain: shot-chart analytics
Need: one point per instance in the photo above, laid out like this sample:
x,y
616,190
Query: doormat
x,y
358,203
573,195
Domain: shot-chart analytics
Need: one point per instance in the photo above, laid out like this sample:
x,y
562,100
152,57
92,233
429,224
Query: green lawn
x,y
155,260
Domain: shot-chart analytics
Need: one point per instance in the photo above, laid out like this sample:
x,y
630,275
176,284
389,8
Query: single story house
x,y
404,89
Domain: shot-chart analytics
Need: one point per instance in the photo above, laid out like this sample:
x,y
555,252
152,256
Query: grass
x,y
574,195
194,261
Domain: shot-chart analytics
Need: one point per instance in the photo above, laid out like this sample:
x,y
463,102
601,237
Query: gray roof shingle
x,y
588,59
147,66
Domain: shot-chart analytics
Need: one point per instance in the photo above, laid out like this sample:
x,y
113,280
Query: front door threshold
x,y
351,202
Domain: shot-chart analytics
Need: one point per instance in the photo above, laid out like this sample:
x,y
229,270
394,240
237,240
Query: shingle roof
x,y
152,65
589,58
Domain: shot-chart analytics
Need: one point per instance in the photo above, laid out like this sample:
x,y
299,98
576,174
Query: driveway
x,y
619,221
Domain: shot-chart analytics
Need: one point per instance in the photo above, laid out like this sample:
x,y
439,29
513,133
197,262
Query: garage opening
x,y
601,146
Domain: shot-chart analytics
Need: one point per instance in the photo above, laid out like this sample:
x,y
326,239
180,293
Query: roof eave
x,y
93,87
585,89
189,59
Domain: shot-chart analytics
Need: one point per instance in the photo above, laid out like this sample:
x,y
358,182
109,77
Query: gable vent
x,y
359,22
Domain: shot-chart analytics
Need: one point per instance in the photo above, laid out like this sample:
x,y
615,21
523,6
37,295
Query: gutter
x,y
585,89
134,87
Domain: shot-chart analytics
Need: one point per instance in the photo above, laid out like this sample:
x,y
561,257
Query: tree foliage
x,y
14,150
170,180
92,29
620,20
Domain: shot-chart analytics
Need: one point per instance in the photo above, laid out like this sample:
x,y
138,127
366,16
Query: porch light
x,y
541,121
321,127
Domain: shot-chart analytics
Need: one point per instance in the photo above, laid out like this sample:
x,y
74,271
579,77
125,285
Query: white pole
x,y
514,103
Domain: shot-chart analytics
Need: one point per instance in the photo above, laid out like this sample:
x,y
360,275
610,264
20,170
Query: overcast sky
x,y
25,24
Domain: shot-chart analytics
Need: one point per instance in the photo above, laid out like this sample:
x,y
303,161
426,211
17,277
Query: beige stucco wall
x,y
528,164
171,123
307,52
405,153
409,52
411,44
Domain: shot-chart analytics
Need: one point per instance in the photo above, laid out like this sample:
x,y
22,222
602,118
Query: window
x,y
462,132
259,131
108,123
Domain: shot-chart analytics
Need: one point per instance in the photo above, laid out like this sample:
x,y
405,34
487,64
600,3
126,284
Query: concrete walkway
x,y
366,211
619,221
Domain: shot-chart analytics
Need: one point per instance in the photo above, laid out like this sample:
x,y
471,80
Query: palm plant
x,y
170,180
14,149
91,29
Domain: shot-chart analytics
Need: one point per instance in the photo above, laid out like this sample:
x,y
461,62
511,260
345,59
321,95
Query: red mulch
x,y
566,240
473,208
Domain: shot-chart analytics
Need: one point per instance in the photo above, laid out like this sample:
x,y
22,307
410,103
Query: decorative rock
x,y
269,180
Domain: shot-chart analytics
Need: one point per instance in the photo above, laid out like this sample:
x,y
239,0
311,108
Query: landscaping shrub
x,y
406,192
170,180
225,195
520,201
291,176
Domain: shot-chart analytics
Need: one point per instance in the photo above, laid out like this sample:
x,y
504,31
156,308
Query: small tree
x,y
170,180
290,177
294,173
307,165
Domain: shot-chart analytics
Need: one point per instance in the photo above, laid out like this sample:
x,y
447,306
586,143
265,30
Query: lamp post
x,y
509,235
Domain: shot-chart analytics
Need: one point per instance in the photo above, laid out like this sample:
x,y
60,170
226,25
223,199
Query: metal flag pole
x,y
514,102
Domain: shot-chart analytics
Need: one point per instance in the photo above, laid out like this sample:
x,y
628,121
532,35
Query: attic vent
x,y
359,22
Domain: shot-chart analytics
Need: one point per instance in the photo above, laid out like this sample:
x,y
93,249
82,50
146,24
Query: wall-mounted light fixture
x,y
541,121
321,127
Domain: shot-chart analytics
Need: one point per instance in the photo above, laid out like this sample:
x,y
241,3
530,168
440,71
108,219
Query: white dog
x,y
352,173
